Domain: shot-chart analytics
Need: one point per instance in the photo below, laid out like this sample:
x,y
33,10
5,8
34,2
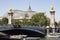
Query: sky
x,y
36,5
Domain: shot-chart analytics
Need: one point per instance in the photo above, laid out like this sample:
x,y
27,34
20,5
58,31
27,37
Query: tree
x,y
26,23
1,23
39,19
25,20
5,20
48,22
16,23
58,23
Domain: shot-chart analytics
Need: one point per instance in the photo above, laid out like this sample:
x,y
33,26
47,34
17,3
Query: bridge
x,y
29,31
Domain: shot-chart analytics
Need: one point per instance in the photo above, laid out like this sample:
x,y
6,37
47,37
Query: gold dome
x,y
52,7
10,10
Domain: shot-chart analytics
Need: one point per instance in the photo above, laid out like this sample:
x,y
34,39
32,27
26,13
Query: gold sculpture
x,y
10,10
52,8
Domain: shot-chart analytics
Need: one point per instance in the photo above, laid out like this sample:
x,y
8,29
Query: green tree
x,y
25,20
48,22
16,23
26,23
1,23
5,20
58,23
39,19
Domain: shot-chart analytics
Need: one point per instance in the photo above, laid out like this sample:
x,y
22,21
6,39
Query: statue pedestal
x,y
53,34
53,29
47,30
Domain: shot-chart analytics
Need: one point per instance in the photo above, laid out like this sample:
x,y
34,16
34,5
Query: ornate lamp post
x,y
10,16
52,18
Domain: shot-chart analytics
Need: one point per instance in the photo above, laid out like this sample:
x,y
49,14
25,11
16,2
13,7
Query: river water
x,y
36,38
49,38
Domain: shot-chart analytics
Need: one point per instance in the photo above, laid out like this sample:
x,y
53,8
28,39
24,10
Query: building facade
x,y
21,15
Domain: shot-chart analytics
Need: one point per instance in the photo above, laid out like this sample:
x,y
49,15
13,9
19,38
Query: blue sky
x,y
36,5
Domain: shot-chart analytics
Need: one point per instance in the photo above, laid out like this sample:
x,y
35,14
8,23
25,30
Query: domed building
x,y
20,14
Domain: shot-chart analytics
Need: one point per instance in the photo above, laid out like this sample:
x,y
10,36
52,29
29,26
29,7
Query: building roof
x,y
19,14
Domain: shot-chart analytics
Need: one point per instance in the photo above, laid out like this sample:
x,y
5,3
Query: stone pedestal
x,y
47,30
53,29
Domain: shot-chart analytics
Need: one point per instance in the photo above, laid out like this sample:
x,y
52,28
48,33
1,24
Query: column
x,y
47,30
52,18
10,16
